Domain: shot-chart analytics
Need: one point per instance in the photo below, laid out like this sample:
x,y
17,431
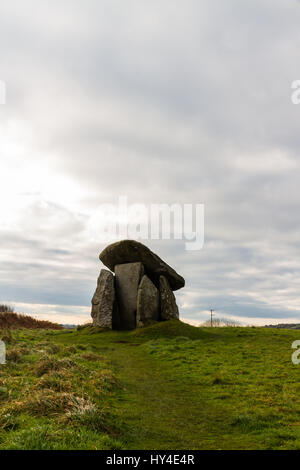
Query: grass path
x,y
190,388
163,412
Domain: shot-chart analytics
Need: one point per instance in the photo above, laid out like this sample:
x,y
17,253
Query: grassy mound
x,y
166,329
169,329
89,329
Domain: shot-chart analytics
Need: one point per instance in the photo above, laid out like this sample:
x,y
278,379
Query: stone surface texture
x,y
168,306
103,300
147,303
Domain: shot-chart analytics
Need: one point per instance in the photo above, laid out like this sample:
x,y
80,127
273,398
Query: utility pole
x,y
211,315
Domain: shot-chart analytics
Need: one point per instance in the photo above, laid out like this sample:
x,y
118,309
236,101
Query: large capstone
x,y
168,306
103,300
131,251
128,277
147,303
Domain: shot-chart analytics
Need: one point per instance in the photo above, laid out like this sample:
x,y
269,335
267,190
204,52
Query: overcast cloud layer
x,y
165,102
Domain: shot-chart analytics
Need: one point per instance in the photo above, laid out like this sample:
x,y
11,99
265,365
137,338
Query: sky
x,y
163,102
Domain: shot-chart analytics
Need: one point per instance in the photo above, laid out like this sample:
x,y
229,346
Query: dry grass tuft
x,y
85,413
60,381
91,357
52,364
46,402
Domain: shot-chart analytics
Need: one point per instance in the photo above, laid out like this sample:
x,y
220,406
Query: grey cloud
x,y
164,102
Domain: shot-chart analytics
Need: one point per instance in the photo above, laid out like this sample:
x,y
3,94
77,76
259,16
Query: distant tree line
x,y
221,322
6,309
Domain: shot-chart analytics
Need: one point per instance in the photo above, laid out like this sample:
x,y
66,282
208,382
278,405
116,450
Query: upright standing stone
x,y
103,300
168,306
128,278
147,303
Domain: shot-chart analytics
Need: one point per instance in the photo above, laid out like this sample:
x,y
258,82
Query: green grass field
x,y
168,386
